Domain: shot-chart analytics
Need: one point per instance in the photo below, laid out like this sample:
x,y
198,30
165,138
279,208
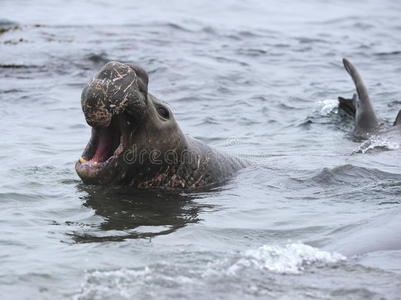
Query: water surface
x,y
252,78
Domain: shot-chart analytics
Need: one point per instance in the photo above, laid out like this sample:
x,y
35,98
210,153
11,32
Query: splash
x,y
377,143
180,277
328,106
289,259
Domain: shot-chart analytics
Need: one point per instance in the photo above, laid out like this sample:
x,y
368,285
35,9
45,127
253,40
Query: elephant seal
x,y
136,141
360,106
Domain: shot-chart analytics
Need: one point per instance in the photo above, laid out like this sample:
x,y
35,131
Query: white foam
x,y
377,142
126,283
290,259
328,106
115,283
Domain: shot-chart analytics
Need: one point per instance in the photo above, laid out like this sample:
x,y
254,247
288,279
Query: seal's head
x,y
126,122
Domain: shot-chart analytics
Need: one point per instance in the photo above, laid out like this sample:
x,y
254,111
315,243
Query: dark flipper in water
x,y
365,116
347,104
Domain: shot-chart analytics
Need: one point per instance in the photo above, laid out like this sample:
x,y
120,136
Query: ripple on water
x,y
183,279
20,197
353,175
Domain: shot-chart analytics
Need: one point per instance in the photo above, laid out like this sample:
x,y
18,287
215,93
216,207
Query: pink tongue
x,y
103,148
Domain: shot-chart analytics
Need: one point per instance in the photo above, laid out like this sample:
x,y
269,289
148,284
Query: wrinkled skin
x,y
136,140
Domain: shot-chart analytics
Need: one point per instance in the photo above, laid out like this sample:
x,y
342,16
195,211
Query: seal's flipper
x,y
365,116
397,121
348,105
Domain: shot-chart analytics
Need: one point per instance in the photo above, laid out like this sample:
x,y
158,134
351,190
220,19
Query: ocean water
x,y
316,217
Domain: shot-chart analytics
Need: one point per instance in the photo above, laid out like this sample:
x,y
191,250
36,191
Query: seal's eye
x,y
162,111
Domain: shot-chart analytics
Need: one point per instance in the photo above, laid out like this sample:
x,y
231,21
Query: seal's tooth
x,y
95,164
82,160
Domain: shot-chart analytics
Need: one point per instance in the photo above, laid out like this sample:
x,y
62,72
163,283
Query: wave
x,y
328,106
288,259
351,174
377,143
380,233
168,279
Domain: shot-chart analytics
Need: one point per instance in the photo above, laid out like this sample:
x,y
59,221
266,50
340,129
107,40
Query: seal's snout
x,y
96,104
116,88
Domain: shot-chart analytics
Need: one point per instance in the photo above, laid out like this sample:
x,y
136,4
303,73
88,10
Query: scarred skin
x,y
153,153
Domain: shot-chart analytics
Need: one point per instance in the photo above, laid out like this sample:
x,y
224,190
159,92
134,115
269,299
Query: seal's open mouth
x,y
105,144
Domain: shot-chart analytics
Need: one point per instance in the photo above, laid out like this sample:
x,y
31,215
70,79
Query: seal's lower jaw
x,y
99,160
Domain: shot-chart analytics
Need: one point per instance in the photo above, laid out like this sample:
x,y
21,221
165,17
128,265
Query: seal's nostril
x,y
98,117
